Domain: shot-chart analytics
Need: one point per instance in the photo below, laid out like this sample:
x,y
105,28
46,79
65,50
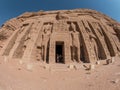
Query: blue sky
x,y
13,8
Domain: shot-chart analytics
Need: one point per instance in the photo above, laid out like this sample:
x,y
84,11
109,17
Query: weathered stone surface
x,y
64,36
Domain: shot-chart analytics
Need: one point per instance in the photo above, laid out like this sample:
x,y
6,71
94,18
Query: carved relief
x,y
61,26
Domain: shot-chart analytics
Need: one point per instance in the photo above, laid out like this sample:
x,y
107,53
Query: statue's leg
x,y
78,53
45,53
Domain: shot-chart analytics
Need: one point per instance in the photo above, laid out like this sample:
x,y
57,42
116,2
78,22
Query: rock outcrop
x,y
64,36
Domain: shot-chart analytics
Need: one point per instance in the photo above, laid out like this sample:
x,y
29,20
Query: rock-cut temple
x,y
64,36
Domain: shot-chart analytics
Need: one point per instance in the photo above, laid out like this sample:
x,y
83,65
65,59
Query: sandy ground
x,y
17,76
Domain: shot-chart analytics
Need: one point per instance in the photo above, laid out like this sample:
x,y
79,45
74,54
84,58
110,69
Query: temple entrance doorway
x,y
60,52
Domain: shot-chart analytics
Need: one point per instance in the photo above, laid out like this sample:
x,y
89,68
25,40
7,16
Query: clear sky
x,y
13,8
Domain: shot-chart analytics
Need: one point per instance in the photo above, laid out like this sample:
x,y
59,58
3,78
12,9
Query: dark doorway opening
x,y
60,52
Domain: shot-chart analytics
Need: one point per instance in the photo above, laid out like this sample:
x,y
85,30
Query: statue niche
x,y
47,30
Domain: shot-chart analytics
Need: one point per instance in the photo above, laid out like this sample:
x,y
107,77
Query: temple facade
x,y
65,36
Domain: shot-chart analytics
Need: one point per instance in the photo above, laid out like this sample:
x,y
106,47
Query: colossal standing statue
x,y
46,37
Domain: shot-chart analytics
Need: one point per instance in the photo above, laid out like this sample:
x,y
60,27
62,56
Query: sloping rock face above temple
x,y
63,36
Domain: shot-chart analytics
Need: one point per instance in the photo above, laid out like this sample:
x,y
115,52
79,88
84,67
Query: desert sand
x,y
16,75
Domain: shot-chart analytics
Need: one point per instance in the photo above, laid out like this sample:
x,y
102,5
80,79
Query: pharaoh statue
x,y
75,43
93,42
94,45
46,37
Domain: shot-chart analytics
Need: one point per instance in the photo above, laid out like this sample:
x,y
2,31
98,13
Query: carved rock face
x,y
65,36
